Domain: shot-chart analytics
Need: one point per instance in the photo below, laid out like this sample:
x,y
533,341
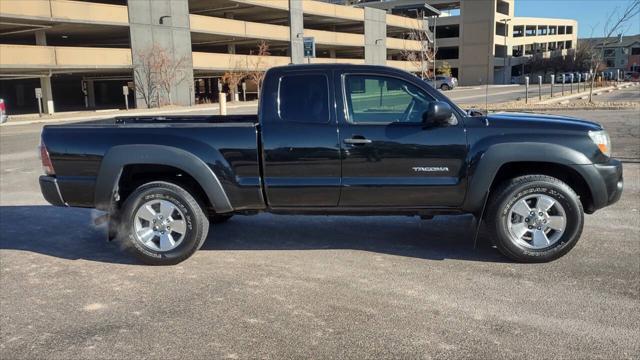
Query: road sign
x,y
38,93
309,47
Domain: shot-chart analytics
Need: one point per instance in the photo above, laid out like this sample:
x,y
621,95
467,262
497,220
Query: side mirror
x,y
438,113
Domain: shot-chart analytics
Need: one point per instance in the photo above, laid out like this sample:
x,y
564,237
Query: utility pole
x,y
435,49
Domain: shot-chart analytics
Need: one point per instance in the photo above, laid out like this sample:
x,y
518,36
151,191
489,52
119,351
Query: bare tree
x,y
171,73
156,74
233,77
616,21
145,73
424,56
256,74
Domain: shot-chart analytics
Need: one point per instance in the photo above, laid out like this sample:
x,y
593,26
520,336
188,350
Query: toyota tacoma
x,y
335,140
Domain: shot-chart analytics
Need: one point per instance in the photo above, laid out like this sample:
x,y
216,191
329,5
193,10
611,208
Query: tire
x,y
171,206
505,222
445,87
219,219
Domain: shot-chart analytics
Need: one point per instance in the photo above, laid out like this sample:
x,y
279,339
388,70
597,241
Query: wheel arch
x,y
125,159
503,161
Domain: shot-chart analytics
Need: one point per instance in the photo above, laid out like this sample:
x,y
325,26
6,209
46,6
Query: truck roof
x,y
359,67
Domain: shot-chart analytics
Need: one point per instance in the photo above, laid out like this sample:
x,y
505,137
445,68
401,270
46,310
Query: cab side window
x,y
383,100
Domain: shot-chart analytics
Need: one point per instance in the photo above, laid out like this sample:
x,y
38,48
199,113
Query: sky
x,y
589,13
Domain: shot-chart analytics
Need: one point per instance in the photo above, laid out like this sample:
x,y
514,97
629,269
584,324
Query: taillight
x,y
47,166
3,108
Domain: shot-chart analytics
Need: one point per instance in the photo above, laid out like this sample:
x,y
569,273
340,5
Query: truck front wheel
x,y
162,224
534,218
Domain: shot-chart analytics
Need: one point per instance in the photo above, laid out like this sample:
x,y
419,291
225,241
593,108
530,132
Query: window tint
x,y
377,99
304,98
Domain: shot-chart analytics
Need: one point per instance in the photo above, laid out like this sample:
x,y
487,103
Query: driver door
x,y
389,158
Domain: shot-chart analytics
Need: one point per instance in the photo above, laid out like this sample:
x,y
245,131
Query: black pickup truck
x,y
335,139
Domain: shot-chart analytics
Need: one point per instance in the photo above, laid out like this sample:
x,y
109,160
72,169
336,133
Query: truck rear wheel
x,y
534,218
162,224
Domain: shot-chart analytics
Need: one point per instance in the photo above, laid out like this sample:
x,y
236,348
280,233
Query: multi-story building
x,y
483,40
621,53
82,53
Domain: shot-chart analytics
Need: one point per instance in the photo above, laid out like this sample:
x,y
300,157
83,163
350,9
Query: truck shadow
x,y
70,233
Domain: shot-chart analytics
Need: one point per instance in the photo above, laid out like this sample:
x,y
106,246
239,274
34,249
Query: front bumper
x,y
51,191
611,174
605,183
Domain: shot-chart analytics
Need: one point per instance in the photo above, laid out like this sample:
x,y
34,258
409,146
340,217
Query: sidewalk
x,y
105,114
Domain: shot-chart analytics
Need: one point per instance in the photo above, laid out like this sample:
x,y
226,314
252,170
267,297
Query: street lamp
x,y
506,49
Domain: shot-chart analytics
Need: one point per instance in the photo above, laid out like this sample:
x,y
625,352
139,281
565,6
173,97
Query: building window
x,y
561,30
567,44
569,29
517,51
610,63
553,30
304,98
501,29
518,31
609,52
502,7
531,30
447,31
542,30
447,53
635,51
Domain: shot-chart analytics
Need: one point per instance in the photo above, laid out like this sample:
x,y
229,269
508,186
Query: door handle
x,y
357,141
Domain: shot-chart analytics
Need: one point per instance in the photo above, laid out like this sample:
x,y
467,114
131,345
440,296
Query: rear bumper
x,y
51,191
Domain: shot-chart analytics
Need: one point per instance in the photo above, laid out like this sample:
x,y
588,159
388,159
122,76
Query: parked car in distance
x,y
446,82
3,112
335,139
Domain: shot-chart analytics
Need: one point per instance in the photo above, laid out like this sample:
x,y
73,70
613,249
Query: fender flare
x,y
120,156
485,167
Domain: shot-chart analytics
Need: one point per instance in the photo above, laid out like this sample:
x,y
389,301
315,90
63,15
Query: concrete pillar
x,y
477,29
47,96
91,94
231,48
45,82
165,24
375,36
296,31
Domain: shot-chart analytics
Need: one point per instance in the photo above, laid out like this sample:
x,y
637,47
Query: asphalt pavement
x,y
271,287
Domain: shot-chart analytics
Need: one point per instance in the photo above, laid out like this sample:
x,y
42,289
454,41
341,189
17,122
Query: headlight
x,y
601,139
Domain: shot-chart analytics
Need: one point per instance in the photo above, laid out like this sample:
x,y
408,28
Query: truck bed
x,y
228,145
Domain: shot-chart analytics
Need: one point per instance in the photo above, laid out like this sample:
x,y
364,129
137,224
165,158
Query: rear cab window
x,y
303,98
